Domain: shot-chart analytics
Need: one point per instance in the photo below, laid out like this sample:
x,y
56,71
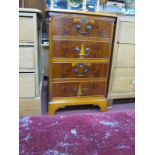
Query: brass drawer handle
x,y
81,51
87,50
80,91
84,70
88,28
77,50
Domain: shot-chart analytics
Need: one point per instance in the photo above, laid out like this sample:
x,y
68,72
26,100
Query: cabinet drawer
x,y
26,57
26,85
124,80
77,89
77,49
76,25
26,29
79,70
126,55
127,32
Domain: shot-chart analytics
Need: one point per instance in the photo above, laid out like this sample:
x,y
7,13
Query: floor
x,y
118,105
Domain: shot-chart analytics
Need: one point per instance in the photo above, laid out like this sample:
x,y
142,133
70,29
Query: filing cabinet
x,y
122,74
80,47
29,62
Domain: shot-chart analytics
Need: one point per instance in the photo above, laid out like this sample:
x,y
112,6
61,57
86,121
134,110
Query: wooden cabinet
x,y
73,89
76,49
29,57
77,25
122,75
79,70
79,58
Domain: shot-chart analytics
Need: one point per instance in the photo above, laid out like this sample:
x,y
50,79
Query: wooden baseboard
x,y
57,103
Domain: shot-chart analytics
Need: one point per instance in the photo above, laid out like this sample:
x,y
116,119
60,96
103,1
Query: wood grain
x,y
65,25
77,77
73,70
62,102
74,49
72,89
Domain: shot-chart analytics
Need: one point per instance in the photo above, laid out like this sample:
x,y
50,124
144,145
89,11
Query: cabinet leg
x,y
52,109
103,106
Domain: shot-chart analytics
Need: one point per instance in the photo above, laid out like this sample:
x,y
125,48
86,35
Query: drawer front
x,y
26,29
126,55
26,57
124,80
77,89
78,49
72,25
79,70
26,85
127,32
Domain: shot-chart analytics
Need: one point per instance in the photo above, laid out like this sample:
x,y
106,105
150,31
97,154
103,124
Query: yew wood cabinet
x,y
80,47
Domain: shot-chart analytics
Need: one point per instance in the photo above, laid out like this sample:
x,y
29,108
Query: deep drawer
x,y
126,55
126,33
27,85
76,25
26,29
79,70
78,49
77,89
26,57
124,80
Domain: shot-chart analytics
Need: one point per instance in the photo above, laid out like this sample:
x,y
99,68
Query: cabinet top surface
x,y
80,12
29,10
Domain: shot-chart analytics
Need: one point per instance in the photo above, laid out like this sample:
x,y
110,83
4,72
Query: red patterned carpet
x,y
110,133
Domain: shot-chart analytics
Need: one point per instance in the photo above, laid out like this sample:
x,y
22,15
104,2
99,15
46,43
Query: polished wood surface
x,y
77,25
79,70
75,101
77,89
77,49
50,12
79,58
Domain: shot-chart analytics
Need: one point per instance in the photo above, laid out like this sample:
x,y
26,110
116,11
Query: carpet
x,y
110,133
